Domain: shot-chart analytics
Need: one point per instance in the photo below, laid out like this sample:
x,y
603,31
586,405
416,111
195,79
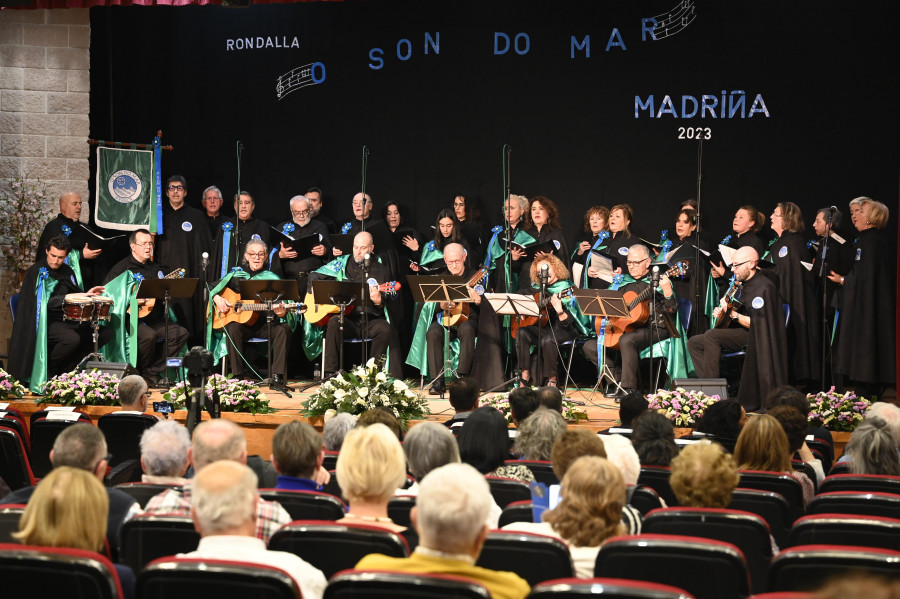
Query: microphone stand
x,y
237,213
507,233
365,306
365,166
696,274
823,277
654,284
544,275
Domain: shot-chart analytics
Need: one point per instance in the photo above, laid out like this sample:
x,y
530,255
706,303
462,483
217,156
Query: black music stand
x,y
271,292
511,304
341,294
166,290
605,304
440,288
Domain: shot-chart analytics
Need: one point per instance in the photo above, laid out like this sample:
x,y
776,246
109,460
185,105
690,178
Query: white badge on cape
x,y
758,302
160,275
186,226
782,252
623,251
858,253
256,237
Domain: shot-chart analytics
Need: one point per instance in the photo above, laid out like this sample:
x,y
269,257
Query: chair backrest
x,y
330,461
748,532
189,578
705,568
363,584
770,506
839,468
82,417
399,508
807,469
846,529
14,420
43,435
29,571
611,588
643,499
507,490
534,557
542,470
517,511
657,478
143,492
851,502
15,467
123,434
145,538
822,450
335,546
803,568
785,485
306,505
864,483
10,514
333,488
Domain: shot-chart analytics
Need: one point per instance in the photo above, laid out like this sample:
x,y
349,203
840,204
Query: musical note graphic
x,y
679,17
298,77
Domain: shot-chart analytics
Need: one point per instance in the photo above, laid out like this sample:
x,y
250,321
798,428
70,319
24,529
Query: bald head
x,y
745,253
70,205
362,244
216,440
455,257
744,263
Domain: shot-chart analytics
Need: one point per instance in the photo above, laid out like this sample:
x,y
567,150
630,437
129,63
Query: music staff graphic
x,y
298,77
668,24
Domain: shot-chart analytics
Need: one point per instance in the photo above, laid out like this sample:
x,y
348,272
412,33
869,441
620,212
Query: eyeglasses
x,y
460,261
175,187
108,457
635,262
739,264
300,213
146,244
256,254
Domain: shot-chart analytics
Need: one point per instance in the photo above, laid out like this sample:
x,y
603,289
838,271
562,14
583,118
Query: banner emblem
x,y
125,186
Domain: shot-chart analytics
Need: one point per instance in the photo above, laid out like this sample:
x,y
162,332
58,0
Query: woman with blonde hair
x,y
763,445
370,467
70,509
589,512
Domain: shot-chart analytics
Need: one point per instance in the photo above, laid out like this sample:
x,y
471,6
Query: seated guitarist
x,y
560,326
646,333
224,295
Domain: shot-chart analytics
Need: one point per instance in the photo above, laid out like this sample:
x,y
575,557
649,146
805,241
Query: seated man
x,y
550,397
464,399
132,391
645,334
449,516
225,294
383,335
54,345
149,360
216,440
164,453
297,454
224,514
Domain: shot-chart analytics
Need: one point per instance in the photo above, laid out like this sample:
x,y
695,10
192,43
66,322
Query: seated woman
x,y
592,496
763,445
484,445
370,467
653,437
872,449
722,422
69,509
538,433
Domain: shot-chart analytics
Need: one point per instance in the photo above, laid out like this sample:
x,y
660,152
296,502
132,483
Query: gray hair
x,y
872,449
164,448
299,198
522,201
427,446
131,388
224,496
216,440
538,432
890,414
265,247
80,445
212,188
452,506
639,248
336,429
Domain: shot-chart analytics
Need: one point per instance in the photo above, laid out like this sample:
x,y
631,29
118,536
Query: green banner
x,y
125,188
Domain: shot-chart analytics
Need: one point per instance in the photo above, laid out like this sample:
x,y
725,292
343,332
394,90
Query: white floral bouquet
x,y
682,407
235,395
363,388
82,388
10,388
500,401
837,412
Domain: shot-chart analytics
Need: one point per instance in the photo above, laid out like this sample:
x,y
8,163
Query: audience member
x,y
522,402
450,513
722,422
858,585
787,395
592,496
538,433
551,398
164,453
463,399
224,513
796,427
872,449
484,444
763,445
887,412
704,475
336,428
654,439
370,467
132,391
216,440
383,416
297,456
70,508
631,405
620,452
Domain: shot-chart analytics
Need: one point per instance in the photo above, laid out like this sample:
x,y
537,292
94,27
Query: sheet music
x,y
603,265
293,80
727,254
672,22
807,265
838,238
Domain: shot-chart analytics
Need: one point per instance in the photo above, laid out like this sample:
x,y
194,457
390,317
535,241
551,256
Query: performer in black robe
x,y
381,235
315,197
796,288
67,223
758,324
474,231
684,285
620,239
595,223
407,240
184,239
238,231
212,206
545,226
299,227
865,354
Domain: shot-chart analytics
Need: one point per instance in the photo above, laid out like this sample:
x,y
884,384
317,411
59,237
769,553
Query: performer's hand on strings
x,y
279,310
222,305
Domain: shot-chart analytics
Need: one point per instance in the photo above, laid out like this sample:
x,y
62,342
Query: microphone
x,y
204,260
545,271
367,260
833,209
655,276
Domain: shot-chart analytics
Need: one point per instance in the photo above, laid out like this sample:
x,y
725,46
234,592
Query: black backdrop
x,y
435,123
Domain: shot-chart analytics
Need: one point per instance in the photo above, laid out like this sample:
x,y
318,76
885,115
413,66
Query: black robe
x,y
77,237
796,288
290,268
239,237
214,223
684,285
549,234
384,243
766,363
866,350
327,221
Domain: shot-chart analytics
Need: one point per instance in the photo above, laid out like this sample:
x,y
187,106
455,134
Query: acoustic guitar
x,y
146,308
638,305
459,313
730,298
320,314
244,312
527,321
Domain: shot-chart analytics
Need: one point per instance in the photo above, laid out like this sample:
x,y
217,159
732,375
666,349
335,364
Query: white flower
x,y
371,363
381,377
363,391
409,394
360,401
339,394
400,385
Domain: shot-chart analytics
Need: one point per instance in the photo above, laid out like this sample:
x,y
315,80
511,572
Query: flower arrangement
x,y
500,401
235,395
82,388
363,388
10,387
682,407
836,412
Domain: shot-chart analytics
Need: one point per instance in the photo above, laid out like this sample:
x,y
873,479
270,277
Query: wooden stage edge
x,y
602,414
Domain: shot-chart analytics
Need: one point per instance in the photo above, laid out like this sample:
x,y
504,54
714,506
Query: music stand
x,y
341,294
271,292
166,289
511,304
606,304
436,289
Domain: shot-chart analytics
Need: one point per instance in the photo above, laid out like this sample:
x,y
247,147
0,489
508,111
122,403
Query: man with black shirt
x,y
300,226
315,197
212,205
44,343
81,258
234,234
150,361
381,234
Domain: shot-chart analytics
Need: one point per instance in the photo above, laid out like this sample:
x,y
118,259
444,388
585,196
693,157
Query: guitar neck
x,y
261,307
